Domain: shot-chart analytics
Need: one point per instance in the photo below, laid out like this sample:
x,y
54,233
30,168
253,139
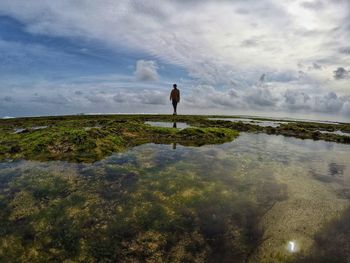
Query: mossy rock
x,y
70,140
67,137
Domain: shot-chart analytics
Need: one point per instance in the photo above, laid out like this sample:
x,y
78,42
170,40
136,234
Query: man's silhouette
x,y
175,97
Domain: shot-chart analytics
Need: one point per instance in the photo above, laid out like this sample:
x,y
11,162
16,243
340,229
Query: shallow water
x,y
261,123
18,130
92,127
260,198
165,124
34,128
337,132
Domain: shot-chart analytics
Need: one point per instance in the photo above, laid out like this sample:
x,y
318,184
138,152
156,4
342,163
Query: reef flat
x,y
122,193
87,138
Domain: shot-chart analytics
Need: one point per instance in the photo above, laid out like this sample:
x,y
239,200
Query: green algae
x,y
68,139
91,138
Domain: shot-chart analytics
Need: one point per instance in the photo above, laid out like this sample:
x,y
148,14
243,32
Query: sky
x,y
276,58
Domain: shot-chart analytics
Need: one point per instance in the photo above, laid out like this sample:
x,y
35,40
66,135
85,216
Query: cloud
x,y
314,5
329,103
296,100
150,97
250,43
262,79
270,96
153,97
56,99
206,41
94,98
346,107
265,98
345,50
205,96
8,99
222,47
146,70
316,66
260,97
120,97
341,73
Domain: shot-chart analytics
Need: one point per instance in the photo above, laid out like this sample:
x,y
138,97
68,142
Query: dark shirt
x,y
175,95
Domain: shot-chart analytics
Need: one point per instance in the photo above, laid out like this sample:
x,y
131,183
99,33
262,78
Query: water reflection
x,y
177,125
337,132
257,198
270,123
23,130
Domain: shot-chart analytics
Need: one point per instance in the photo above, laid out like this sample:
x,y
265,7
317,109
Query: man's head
x,y
175,86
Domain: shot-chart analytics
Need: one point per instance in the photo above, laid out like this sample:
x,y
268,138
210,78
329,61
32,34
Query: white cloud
x,y
204,38
329,103
129,97
346,108
221,44
132,97
341,73
94,98
270,97
296,100
146,70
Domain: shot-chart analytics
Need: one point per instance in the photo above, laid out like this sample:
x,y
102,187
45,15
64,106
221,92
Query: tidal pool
x,y
261,123
165,124
337,132
20,130
260,198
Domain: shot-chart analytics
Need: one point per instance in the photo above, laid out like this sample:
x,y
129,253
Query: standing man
x,y
175,97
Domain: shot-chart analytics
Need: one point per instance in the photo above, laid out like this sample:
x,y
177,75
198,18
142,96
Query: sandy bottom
x,y
290,225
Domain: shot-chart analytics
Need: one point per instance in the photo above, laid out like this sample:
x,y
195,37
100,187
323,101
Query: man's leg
x,y
175,106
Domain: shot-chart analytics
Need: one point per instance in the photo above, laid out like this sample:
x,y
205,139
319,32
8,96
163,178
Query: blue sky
x,y
280,58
